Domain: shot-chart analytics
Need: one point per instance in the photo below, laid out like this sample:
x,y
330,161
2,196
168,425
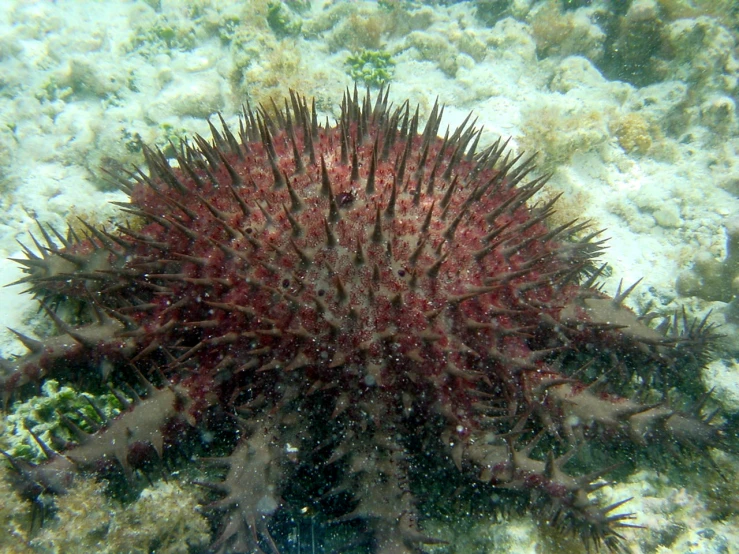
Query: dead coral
x,y
434,48
565,33
713,279
558,132
725,10
703,55
365,26
719,115
14,517
635,45
88,521
634,133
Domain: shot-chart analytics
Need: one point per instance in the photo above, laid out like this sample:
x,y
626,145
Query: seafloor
x,y
630,104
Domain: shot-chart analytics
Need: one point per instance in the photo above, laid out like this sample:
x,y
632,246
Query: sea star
x,y
347,311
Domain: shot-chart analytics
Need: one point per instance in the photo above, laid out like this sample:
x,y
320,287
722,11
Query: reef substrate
x,y
363,322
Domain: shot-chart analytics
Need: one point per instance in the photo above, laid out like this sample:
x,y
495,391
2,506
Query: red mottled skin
x,y
355,305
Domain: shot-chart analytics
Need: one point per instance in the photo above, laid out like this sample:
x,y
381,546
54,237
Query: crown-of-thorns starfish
x,y
362,318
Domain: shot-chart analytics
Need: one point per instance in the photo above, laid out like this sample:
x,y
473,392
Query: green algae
x,y
44,417
374,68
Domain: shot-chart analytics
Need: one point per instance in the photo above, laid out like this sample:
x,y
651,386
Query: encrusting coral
x,y
359,321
